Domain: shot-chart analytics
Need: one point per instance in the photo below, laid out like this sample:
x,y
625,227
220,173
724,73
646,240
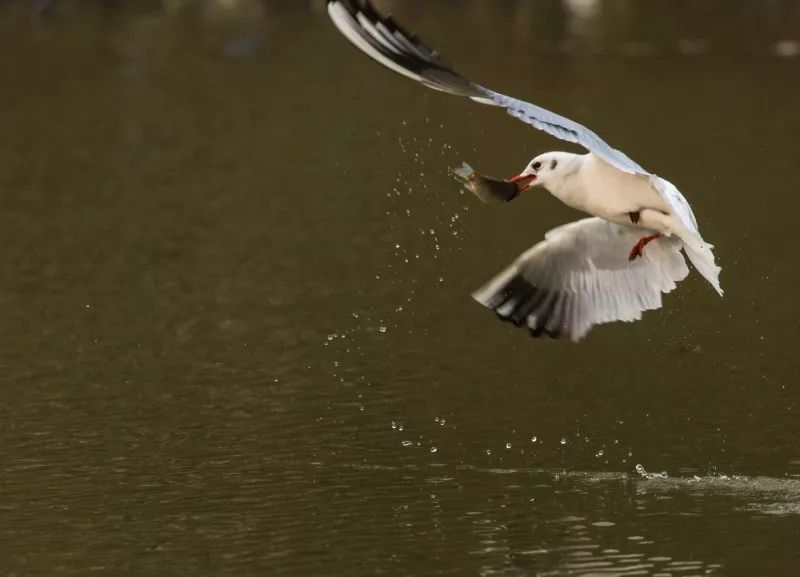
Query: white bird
x,y
588,272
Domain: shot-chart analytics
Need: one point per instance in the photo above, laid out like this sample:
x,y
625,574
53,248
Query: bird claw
x,y
634,216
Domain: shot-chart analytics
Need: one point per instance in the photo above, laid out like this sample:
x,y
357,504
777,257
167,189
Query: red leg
x,y
638,249
634,216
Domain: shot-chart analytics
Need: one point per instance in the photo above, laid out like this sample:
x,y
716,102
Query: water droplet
x,y
442,422
508,445
599,453
382,329
407,443
434,449
488,451
331,336
563,441
355,315
399,309
394,425
399,427
533,439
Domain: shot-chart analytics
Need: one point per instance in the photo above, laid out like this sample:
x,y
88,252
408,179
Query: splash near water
x,y
420,240
650,476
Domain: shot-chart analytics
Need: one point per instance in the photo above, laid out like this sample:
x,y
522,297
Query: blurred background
x,y
236,329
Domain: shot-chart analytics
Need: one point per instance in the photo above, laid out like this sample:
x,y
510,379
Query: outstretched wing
x,y
580,276
386,42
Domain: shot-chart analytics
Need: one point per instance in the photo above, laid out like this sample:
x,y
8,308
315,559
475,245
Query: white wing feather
x,y
580,276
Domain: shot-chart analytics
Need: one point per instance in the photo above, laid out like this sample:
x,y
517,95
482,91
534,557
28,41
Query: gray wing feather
x,y
383,40
580,276
565,129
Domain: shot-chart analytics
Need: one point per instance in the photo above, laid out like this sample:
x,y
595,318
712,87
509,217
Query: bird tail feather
x,y
702,257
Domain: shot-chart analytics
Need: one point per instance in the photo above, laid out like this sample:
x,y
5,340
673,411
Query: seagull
x,y
609,267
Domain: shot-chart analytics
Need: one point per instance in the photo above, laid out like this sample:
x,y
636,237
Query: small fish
x,y
486,188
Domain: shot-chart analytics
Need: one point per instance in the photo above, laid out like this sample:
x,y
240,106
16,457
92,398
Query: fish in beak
x,y
490,189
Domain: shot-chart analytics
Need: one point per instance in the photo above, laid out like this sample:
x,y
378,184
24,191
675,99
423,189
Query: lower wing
x,y
580,276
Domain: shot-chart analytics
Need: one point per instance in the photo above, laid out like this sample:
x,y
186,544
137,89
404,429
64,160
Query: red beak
x,y
531,178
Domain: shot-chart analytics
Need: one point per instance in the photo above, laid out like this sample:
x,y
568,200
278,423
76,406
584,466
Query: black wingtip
x,y
522,303
385,41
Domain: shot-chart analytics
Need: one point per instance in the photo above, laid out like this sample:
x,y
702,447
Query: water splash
x,y
650,476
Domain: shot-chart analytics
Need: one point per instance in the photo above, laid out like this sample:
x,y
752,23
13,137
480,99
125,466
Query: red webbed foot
x,y
638,248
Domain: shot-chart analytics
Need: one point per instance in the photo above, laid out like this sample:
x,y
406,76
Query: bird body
x,y
591,185
583,273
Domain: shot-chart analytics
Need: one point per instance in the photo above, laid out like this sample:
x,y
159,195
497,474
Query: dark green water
x,y
236,330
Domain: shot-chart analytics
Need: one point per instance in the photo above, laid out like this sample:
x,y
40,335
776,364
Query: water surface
x,y
236,325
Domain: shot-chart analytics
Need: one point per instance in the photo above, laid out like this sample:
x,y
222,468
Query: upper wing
x,y
580,276
383,40
676,201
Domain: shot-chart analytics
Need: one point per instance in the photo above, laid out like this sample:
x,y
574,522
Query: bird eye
x,y
536,165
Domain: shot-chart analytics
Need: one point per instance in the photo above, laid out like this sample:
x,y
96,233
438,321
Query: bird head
x,y
545,170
